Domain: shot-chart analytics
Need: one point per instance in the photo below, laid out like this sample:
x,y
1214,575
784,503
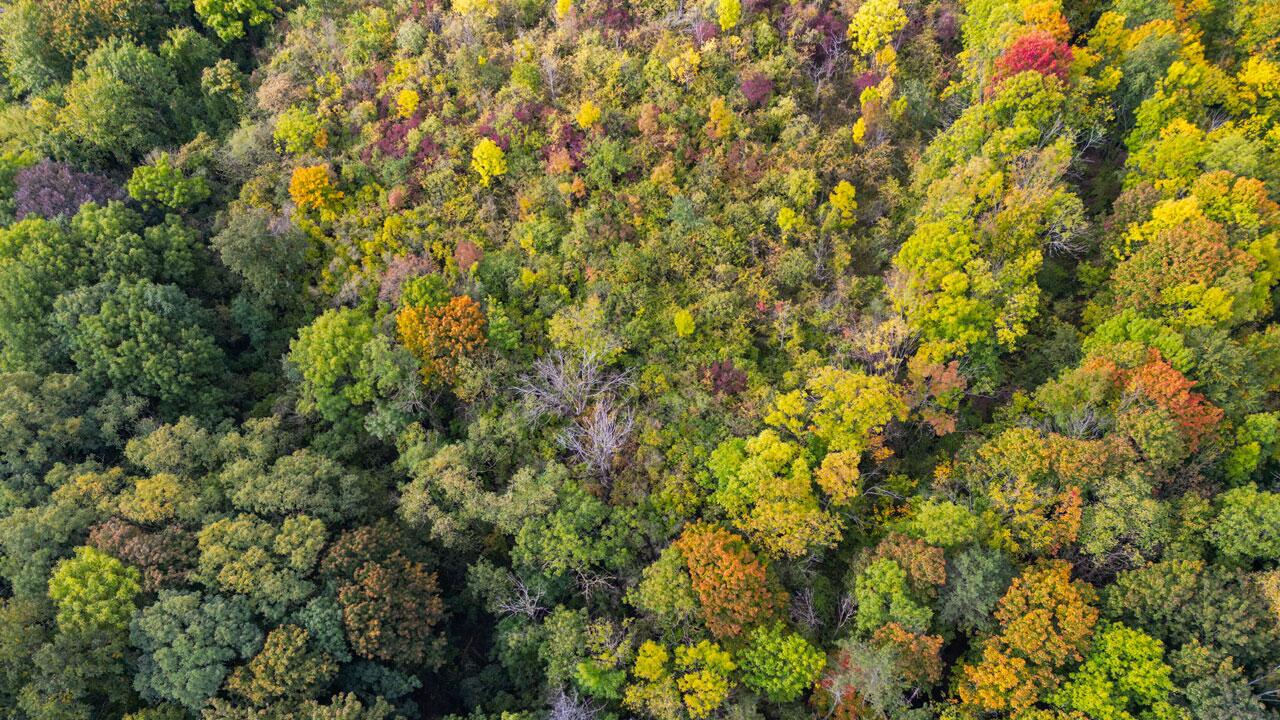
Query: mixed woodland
x,y
663,359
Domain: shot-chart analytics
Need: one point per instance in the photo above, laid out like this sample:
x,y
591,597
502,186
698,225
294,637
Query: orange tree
x,y
1046,622
731,584
441,335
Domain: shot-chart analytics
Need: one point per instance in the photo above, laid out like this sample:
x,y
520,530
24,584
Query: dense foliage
x,y
591,359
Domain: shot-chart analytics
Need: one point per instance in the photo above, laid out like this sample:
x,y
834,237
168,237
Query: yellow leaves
x,y
1166,215
885,57
588,115
476,8
488,160
312,189
683,321
728,12
720,119
705,685
651,661
843,199
684,67
401,72
771,498
859,131
842,408
699,681
874,24
155,499
562,8
407,103
1259,81
1047,16
838,476
787,220
1197,305
788,411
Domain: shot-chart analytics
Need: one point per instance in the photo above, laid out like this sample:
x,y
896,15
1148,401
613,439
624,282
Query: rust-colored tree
x,y
390,602
1046,621
390,609
443,335
732,585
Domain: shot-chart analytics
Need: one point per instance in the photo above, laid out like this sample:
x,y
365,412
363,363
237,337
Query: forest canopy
x,y
664,359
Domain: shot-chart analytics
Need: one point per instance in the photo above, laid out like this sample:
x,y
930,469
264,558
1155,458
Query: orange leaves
x,y
1046,621
731,584
924,564
1169,389
919,656
1166,388
443,335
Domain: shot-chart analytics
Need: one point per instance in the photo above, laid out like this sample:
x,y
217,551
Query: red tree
x,y
1038,51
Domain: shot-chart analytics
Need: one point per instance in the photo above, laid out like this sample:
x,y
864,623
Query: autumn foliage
x,y
1047,620
1038,51
1169,389
441,336
312,188
732,586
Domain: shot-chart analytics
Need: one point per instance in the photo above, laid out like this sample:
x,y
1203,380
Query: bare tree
x,y
522,601
550,67
568,386
598,436
803,611
581,389
844,612
569,705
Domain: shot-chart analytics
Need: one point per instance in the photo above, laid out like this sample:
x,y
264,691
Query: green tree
x,y
118,107
327,355
779,663
1181,601
231,19
94,591
1123,677
266,564
165,184
883,596
188,641
1244,530
144,339
304,482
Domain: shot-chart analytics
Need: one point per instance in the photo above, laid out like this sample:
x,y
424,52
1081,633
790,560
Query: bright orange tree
x,y
441,335
731,583
1169,389
1046,621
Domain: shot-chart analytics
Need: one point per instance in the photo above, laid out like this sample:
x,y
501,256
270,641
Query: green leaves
x,y
94,591
1124,677
230,19
164,184
146,339
779,663
327,354
187,642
